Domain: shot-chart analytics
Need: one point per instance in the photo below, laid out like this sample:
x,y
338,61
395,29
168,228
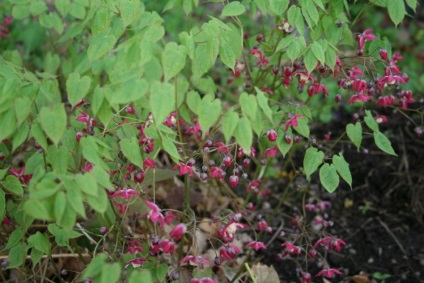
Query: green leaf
x,y
77,87
38,135
24,105
62,6
233,9
330,57
381,276
188,41
39,242
36,256
8,118
13,185
263,104
318,52
100,45
201,63
59,206
312,160
169,146
131,150
75,199
193,101
278,6
328,177
162,101
173,59
342,168
37,7
2,204
229,124
396,9
95,266
285,42
20,12
53,122
14,238
369,120
302,127
248,105
227,55
161,271
412,4
110,273
101,20
244,135
282,144
87,183
20,136
354,132
209,112
38,210
144,276
99,203
383,143
310,61
295,18
129,10
77,10
16,256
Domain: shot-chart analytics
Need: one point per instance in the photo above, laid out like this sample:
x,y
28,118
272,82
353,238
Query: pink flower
x,y
389,80
85,118
291,249
169,215
317,88
330,243
256,245
362,38
137,262
133,248
385,100
226,233
272,135
234,181
328,272
306,277
228,252
24,179
270,152
125,193
381,119
129,109
202,280
155,214
397,57
293,121
359,97
197,260
184,169
87,167
262,225
148,162
405,98
122,208
178,232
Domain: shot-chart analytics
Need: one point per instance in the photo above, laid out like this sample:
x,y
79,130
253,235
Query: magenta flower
x,y
133,248
389,81
155,214
253,185
122,208
262,225
125,193
381,119
359,97
385,100
228,252
202,280
256,245
405,98
184,169
194,130
137,262
272,135
169,215
317,88
291,249
330,243
85,118
197,260
328,272
306,277
178,232
293,121
148,162
270,152
23,178
79,103
362,38
234,181
226,233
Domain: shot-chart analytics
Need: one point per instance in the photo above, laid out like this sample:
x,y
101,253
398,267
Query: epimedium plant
x,y
98,105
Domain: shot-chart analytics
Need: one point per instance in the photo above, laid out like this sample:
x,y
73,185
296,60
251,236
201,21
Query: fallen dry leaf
x,y
265,274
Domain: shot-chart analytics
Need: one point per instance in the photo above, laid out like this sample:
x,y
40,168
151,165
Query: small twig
x,y
92,241
392,235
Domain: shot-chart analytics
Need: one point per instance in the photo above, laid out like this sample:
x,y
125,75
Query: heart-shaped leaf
x,y
354,132
53,122
312,160
328,177
173,60
209,112
77,87
131,150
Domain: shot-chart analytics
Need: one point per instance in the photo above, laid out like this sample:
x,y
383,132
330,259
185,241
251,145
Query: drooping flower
x,y
306,277
122,207
125,193
184,169
234,181
155,214
178,232
85,118
291,249
328,272
202,280
133,248
23,178
272,135
227,232
169,215
270,152
228,252
197,260
148,162
293,121
367,35
137,262
256,245
359,97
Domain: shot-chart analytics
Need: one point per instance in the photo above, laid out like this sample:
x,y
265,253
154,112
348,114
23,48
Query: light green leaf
x,y
248,105
95,266
169,146
38,135
62,6
193,101
13,185
87,184
187,40
328,177
161,271
229,124
295,18
263,104
39,242
310,61
209,112
20,12
20,136
173,59
131,150
282,143
318,52
369,120
129,10
278,7
227,55
312,160
383,143
412,4
38,209
396,9
2,204
330,57
233,9
354,132
342,168
53,122
75,199
16,256
100,45
302,127
285,42
77,87
111,272
244,135
162,101
24,105
201,63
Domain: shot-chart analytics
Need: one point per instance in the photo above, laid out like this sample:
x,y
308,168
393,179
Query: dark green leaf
x,y
16,256
342,168
354,132
383,143
13,185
